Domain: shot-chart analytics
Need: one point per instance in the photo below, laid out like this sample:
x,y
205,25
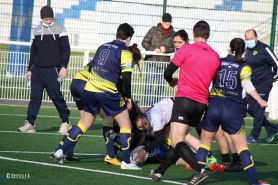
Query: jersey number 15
x,y
228,78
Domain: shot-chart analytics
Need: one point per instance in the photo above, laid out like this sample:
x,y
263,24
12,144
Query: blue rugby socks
x,y
108,135
248,164
117,143
72,137
125,138
201,155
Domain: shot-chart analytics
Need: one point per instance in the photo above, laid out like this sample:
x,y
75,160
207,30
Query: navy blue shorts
x,y
112,104
77,89
224,112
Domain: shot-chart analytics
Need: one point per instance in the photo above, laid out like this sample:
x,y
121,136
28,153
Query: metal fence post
x,y
48,2
86,57
164,6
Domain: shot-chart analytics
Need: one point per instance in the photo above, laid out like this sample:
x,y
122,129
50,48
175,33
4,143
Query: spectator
x,y
262,60
49,57
160,40
198,65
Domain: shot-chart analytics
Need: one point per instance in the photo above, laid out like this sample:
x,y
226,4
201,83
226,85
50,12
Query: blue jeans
x,y
154,79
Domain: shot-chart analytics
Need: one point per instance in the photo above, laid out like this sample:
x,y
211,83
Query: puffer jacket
x,y
154,39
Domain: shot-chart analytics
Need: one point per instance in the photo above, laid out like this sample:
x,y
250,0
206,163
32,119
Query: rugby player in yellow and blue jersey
x,y
225,108
77,89
110,130
111,61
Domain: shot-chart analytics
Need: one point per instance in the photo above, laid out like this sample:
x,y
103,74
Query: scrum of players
x,y
161,133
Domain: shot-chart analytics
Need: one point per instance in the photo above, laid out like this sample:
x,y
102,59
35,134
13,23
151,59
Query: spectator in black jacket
x,y
264,72
49,57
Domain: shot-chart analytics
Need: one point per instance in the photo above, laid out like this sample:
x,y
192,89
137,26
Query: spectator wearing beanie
x,y
47,12
49,57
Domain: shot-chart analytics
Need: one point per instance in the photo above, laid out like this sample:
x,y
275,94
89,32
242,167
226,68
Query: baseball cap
x,y
167,17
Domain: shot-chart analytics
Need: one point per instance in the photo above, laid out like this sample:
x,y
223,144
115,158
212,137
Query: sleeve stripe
x,y
63,34
274,58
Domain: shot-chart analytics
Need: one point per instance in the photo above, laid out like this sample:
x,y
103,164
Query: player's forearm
x,y
127,84
169,71
157,142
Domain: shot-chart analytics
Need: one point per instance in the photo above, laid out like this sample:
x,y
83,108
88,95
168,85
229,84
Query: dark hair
x,y
124,31
136,56
255,33
201,29
136,106
237,46
182,34
136,116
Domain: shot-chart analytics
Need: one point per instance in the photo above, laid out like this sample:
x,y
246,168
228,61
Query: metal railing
x,y
14,86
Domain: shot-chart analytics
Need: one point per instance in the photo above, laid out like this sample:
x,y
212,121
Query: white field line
x,y
16,132
248,127
86,169
48,153
41,116
44,133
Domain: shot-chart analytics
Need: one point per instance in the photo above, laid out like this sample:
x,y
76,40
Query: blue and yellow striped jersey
x,y
83,73
227,83
110,61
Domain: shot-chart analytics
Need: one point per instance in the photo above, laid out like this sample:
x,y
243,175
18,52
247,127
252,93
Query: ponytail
x,y
237,46
136,56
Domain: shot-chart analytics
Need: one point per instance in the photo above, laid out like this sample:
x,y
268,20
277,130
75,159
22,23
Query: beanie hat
x,y
167,17
47,12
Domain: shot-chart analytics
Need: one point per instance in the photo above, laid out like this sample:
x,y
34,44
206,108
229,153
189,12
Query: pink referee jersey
x,y
198,64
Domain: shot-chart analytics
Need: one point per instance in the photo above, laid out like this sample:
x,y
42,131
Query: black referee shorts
x,y
187,111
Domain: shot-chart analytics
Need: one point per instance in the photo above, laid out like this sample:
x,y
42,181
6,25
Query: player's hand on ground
x,y
263,103
157,50
141,155
64,71
174,82
128,104
29,73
